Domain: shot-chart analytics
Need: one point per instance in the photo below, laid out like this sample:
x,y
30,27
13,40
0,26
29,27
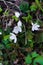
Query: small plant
x,y
21,33
24,7
37,59
15,18
33,7
27,18
6,13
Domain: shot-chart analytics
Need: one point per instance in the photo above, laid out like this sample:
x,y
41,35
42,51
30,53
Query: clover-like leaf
x,y
15,18
38,60
6,13
27,18
33,7
6,37
28,59
24,7
34,54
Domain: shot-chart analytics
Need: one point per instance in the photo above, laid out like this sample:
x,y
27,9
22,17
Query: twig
x,y
5,3
13,5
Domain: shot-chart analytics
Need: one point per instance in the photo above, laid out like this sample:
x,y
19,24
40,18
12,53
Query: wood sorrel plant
x,y
21,33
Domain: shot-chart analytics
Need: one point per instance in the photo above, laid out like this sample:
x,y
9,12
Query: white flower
x,y
1,64
0,33
17,14
13,37
19,23
35,26
17,28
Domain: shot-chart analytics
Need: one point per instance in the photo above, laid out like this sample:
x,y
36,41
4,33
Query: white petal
x,y
35,27
15,30
19,23
0,33
13,37
19,29
11,34
17,14
38,25
32,28
15,40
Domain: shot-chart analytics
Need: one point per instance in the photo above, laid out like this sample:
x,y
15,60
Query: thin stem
x,y
25,35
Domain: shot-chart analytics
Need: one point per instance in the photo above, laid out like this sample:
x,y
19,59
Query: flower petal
x,y
13,37
19,23
35,26
17,14
19,29
15,40
15,30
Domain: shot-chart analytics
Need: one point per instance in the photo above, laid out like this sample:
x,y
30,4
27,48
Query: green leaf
x,y
34,54
15,18
1,10
33,7
5,42
24,7
8,46
6,13
28,59
24,18
27,18
39,60
6,37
